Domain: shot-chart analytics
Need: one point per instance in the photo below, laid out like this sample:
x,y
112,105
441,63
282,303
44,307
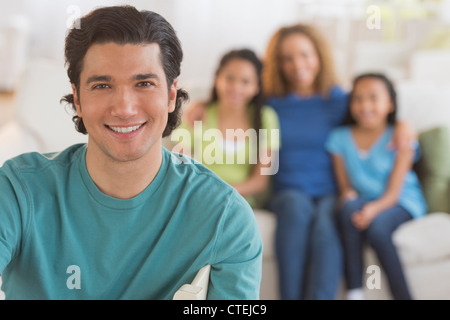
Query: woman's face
x,y
300,63
237,83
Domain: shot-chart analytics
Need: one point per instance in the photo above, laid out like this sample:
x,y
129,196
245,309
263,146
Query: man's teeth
x,y
125,129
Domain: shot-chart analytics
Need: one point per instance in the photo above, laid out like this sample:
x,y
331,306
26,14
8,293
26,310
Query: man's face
x,y
123,100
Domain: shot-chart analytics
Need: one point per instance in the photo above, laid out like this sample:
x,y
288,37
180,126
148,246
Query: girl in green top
x,y
238,137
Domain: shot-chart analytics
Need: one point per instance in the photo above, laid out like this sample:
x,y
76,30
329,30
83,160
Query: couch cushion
x,y
16,139
266,222
434,168
424,240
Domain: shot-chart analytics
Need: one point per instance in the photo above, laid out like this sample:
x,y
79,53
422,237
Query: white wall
x,y
209,28
206,28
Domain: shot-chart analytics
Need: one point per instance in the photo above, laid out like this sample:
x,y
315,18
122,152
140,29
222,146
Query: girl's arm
x,y
257,182
195,112
346,191
403,163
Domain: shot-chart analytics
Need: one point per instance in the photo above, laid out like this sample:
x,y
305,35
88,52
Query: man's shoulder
x,y
35,161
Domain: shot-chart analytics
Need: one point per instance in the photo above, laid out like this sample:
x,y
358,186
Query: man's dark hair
x,y
124,25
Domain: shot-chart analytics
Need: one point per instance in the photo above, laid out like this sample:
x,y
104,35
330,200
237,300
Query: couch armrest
x,y
424,240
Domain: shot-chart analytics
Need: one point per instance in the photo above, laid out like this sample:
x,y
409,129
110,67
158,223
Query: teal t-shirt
x,y
62,238
369,172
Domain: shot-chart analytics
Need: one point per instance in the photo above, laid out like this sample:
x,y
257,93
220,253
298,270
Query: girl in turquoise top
x,y
228,140
378,189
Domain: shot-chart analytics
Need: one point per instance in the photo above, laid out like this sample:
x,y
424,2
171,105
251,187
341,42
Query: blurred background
x,y
409,40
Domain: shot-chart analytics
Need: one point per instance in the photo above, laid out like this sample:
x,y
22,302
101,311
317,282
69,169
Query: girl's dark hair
x,y
258,100
124,25
392,116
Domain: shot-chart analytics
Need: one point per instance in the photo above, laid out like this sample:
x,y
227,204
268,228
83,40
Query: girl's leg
x,y
325,252
294,212
379,235
352,244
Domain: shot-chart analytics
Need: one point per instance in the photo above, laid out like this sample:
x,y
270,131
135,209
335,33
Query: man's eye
x,y
100,86
145,84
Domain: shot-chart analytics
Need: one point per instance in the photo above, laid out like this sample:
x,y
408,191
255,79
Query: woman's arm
x,y
346,191
404,135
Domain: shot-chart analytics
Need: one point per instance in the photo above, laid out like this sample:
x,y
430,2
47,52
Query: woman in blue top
x,y
299,79
378,189
300,82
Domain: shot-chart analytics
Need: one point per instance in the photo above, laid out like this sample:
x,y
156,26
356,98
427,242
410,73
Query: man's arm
x,y
10,222
236,271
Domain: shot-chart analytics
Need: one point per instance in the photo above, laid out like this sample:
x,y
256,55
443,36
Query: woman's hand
x,y
404,136
347,195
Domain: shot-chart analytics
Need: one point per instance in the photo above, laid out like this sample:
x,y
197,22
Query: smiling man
x,y
121,217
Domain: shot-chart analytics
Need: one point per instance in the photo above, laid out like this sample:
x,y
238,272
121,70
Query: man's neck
x,y
123,180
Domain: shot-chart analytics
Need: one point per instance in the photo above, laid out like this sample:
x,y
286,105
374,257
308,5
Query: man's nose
x,y
124,103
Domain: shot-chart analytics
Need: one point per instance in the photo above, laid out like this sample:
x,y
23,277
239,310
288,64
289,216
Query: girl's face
x,y
370,103
300,63
237,83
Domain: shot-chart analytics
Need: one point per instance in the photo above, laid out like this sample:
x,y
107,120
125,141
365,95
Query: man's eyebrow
x,y
98,78
140,76
145,76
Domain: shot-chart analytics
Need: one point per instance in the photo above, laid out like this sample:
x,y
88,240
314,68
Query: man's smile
x,y
125,129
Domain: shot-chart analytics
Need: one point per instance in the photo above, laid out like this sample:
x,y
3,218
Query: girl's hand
x,y
195,112
362,219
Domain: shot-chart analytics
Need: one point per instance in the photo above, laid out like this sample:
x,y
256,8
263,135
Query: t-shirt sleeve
x,y
340,104
236,271
10,222
335,142
269,120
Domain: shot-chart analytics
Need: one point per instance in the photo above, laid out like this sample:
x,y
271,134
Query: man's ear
x,y
76,100
173,95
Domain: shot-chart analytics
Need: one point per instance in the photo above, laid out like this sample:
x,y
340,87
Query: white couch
x,y
13,47
424,247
